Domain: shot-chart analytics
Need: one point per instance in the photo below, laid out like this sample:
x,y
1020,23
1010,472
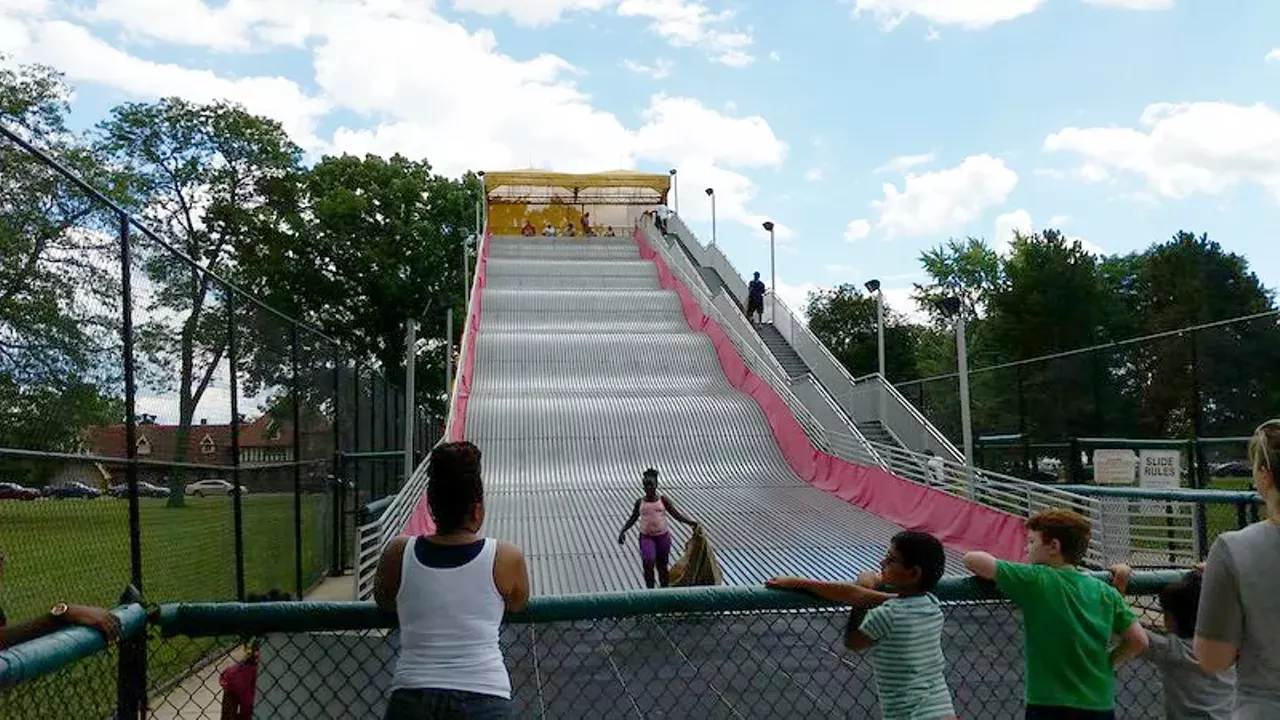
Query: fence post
x,y
237,503
355,439
131,681
335,471
1199,478
386,436
297,460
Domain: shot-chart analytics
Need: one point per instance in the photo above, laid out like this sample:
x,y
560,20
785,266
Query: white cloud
x,y
967,14
678,127
838,269
686,23
1093,173
1007,225
932,36
813,174
903,163
1274,55
1185,148
939,201
531,12
1134,4
776,57
856,230
660,69
899,299
1058,222
85,58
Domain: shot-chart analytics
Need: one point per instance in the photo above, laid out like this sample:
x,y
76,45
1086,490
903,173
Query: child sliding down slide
x,y
652,510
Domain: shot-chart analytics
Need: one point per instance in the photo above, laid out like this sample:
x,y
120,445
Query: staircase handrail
x,y
900,401
754,357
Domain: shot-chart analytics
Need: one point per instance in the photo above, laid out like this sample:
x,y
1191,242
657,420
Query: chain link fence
x,y
159,426
714,652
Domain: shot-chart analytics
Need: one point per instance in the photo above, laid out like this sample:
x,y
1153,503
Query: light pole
x,y
873,287
711,193
773,278
675,191
951,308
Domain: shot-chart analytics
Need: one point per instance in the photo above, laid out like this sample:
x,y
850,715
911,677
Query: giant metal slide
x,y
589,360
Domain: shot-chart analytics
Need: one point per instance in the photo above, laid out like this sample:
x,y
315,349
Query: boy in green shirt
x,y
1069,620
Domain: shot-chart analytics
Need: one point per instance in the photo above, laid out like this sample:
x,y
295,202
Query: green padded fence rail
x,y
1211,497
372,511
55,651
213,619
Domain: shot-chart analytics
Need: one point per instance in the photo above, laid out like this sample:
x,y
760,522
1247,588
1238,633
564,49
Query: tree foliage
x,y
199,175
59,356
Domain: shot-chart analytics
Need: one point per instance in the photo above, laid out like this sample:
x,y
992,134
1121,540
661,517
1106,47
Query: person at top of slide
x,y
755,299
1239,621
450,592
651,511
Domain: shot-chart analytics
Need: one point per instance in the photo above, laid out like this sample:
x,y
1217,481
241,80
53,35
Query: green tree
x,y
1190,280
844,319
967,269
364,244
59,342
200,175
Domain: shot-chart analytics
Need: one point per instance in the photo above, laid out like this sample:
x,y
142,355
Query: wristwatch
x,y
59,612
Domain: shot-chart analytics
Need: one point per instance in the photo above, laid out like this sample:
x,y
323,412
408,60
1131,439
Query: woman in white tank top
x,y
450,592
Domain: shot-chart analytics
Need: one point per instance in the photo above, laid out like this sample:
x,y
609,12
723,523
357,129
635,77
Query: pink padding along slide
x,y
961,525
420,522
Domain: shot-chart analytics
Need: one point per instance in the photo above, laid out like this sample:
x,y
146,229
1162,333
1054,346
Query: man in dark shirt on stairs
x,y
755,299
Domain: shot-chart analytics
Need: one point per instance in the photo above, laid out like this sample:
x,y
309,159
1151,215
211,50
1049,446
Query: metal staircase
x,y
787,357
876,432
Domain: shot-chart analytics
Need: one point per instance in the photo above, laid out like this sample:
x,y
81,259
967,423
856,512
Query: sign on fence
x,y
1160,469
1115,467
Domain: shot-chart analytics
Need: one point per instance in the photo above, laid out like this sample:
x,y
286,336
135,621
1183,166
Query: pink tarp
x,y
420,522
960,524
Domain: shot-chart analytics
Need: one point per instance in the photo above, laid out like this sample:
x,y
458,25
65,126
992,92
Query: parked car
x,y
14,491
145,489
214,486
1235,468
72,490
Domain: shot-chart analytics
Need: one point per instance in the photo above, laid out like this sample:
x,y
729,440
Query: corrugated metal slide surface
x,y
586,373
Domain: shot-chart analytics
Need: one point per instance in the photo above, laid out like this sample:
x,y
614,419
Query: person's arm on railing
x,y
386,582
511,576
861,593
1133,637
61,616
982,564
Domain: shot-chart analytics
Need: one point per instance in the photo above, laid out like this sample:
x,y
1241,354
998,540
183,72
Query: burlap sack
x,y
698,565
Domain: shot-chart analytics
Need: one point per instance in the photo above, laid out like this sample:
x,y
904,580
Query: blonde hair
x,y
1264,448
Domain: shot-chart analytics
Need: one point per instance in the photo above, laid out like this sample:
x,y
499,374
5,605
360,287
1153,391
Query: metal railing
x,y
861,400
375,535
754,354
723,651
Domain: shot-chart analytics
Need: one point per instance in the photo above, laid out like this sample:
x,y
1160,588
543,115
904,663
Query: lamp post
x,y
711,193
873,287
773,278
675,191
951,307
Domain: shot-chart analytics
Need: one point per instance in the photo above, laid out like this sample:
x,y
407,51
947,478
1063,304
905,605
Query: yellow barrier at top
x,y
525,200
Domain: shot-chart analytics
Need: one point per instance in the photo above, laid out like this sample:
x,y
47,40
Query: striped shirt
x,y
908,658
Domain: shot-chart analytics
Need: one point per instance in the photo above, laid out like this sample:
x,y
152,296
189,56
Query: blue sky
x,y
869,130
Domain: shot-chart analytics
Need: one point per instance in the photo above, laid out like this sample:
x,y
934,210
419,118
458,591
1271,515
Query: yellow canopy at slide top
x,y
539,197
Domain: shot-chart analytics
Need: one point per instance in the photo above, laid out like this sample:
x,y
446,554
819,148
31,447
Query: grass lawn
x,y
78,550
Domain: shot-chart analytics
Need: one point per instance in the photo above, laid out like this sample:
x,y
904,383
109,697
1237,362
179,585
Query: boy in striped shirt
x,y
902,628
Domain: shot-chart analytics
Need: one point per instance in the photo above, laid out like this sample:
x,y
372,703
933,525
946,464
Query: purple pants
x,y
655,548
